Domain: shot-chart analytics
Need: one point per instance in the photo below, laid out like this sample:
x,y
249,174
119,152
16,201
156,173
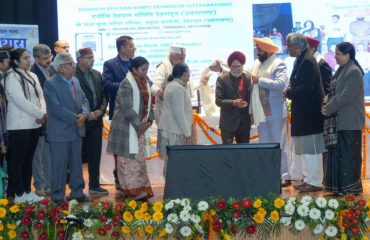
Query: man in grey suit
x,y
67,109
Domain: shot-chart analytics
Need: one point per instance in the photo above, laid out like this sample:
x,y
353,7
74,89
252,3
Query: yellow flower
x,y
126,229
368,214
257,203
132,204
147,216
144,207
213,212
157,216
127,216
262,211
1,238
279,203
139,215
140,232
11,226
343,236
162,232
12,234
14,209
158,206
149,229
274,215
368,203
4,202
227,236
66,212
258,218
364,237
2,212
1,227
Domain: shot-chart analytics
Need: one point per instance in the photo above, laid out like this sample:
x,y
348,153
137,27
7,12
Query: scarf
x,y
133,138
331,122
142,83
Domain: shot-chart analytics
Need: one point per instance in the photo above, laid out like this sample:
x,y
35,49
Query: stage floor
x,y
114,195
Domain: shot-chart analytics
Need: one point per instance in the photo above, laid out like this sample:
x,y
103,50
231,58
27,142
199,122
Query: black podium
x,y
239,170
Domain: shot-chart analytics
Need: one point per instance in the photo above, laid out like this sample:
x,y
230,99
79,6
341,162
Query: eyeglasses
x,y
91,57
71,64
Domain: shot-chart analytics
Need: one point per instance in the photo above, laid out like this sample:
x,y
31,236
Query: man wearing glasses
x,y
92,85
41,168
67,109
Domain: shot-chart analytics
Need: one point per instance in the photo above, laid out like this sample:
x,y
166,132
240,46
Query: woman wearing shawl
x,y
133,115
177,117
345,118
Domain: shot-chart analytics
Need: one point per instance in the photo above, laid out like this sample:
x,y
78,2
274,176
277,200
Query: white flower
x,y
185,231
169,205
73,203
195,218
318,229
329,214
187,208
88,223
331,231
291,200
172,218
169,228
306,199
315,213
299,225
77,236
198,228
321,202
177,201
89,236
289,209
184,216
86,208
333,203
286,220
203,206
185,202
303,210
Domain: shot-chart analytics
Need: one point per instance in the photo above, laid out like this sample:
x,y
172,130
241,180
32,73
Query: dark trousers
x,y
92,142
240,135
22,146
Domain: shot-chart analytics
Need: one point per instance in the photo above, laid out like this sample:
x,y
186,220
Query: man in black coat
x,y
232,96
306,93
91,84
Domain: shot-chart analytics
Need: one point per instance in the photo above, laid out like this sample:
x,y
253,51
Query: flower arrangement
x,y
259,217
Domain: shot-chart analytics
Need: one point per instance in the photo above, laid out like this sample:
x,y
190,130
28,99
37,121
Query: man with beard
x,y
268,107
232,96
92,85
41,163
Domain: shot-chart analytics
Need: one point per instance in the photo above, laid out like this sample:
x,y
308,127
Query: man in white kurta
x,y
268,105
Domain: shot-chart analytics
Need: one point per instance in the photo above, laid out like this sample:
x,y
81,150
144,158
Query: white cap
x,y
177,50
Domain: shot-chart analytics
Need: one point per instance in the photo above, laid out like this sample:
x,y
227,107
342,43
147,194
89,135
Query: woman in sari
x,y
177,117
345,118
133,115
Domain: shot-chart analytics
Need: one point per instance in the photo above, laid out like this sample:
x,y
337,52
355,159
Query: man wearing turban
x,y
232,96
268,106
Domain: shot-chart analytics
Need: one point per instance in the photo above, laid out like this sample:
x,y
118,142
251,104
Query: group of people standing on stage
x,y
327,112
48,111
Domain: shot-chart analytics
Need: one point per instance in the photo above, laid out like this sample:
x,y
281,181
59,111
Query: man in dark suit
x,y
67,109
325,70
114,71
92,85
306,93
232,96
41,163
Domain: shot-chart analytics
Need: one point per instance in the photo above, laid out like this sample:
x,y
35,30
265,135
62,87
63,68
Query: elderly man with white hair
x,y
67,109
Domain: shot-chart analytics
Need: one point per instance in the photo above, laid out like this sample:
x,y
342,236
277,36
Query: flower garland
x,y
346,218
